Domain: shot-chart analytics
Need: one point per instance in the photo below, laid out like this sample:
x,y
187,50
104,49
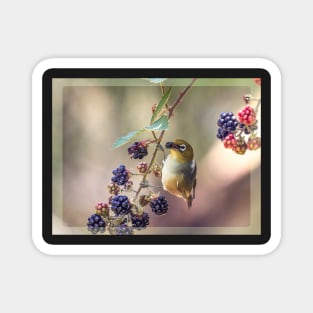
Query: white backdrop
x,y
35,30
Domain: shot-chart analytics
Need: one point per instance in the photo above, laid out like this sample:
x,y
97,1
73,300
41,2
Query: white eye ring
x,y
182,148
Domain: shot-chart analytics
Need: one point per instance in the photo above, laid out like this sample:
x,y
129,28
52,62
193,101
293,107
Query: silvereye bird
x,y
180,170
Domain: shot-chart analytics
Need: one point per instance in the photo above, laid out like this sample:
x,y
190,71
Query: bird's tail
x,y
189,201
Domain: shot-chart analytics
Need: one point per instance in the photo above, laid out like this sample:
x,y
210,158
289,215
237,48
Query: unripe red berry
x,y
247,115
142,167
257,81
254,143
113,188
230,141
240,148
101,208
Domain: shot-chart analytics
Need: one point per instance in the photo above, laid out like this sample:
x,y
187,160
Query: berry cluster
x,y
140,221
121,175
138,150
159,205
102,208
96,224
120,205
125,211
247,116
232,131
142,167
124,229
113,188
122,215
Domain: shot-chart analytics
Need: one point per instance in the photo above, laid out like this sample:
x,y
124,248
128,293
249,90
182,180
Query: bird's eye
x,y
182,148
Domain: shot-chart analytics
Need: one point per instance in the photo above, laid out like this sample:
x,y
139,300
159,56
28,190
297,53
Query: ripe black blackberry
x,y
121,175
96,224
138,150
159,205
140,221
227,121
124,229
120,205
221,133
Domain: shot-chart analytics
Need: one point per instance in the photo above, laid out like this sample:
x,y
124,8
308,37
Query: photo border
x,y
137,68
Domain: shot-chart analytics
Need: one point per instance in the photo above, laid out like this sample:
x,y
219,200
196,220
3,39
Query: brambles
x,y
125,211
240,134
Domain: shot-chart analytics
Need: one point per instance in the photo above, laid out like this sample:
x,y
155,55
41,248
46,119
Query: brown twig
x,y
180,97
159,140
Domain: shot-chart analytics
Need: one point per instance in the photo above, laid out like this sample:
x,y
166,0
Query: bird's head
x,y
180,149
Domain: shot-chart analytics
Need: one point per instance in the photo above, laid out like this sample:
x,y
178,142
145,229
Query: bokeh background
x,y
88,115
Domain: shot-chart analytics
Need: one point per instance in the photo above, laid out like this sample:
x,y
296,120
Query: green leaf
x,y
160,124
161,104
124,139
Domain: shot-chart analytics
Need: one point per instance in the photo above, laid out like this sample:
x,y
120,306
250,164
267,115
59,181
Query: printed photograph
x,y
147,156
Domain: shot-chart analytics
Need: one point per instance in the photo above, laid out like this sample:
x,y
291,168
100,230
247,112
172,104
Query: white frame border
x,y
156,249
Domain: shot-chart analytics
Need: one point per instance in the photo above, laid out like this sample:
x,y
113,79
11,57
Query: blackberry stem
x,y
159,140
180,97
257,106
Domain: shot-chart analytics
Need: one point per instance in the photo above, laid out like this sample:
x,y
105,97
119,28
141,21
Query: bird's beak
x,y
171,145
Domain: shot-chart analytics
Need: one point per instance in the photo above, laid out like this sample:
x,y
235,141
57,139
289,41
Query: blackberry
x,y
121,175
240,148
159,205
96,224
221,133
247,116
254,143
227,122
230,141
113,188
120,205
142,167
102,208
138,150
124,229
140,221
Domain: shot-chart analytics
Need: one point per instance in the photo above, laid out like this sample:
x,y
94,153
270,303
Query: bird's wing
x,y
194,174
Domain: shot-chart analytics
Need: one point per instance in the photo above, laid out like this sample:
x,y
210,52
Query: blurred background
x,y
89,115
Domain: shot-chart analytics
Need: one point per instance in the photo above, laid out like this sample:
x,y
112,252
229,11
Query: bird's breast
x,y
174,172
